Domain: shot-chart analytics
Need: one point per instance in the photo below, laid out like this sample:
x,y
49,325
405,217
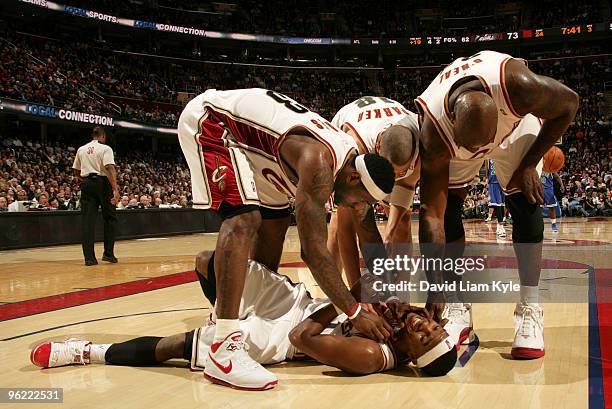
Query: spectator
x,y
3,204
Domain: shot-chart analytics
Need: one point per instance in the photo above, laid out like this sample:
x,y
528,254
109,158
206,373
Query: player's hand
x,y
435,310
372,326
527,180
115,198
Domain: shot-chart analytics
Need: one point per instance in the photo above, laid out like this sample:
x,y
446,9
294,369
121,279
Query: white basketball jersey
x,y
369,116
489,68
259,119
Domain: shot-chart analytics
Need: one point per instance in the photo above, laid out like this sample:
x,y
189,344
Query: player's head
x,y
425,342
399,146
364,179
99,134
474,120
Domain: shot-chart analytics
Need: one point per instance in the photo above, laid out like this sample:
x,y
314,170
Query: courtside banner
x,y
62,114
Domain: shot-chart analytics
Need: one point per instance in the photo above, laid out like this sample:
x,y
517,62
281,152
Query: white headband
x,y
367,180
435,353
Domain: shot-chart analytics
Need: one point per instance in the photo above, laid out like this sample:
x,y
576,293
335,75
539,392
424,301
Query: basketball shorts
x,y
549,197
496,196
507,157
271,306
223,172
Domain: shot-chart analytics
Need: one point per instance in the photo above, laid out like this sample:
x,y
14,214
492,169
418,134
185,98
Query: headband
x,y
367,180
435,353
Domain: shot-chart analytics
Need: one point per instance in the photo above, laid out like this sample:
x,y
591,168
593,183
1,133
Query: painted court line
x,y
73,299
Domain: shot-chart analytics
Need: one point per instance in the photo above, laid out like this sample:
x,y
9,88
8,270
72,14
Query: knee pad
x,y
187,349
453,226
527,224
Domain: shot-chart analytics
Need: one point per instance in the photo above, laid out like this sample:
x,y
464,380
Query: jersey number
x,y
365,101
289,103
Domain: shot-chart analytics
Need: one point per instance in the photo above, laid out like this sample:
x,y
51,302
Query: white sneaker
x,y
501,231
488,219
528,332
459,326
73,351
228,363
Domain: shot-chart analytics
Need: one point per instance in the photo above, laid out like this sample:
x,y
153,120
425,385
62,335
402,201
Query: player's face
x,y
419,335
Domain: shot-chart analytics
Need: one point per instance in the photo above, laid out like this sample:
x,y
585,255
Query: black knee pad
x,y
453,226
188,345
527,224
209,284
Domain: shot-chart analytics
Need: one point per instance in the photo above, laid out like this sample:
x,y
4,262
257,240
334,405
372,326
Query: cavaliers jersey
x,y
258,120
487,66
367,117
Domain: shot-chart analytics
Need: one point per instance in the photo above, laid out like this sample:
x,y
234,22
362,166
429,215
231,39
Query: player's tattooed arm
x,y
314,188
545,98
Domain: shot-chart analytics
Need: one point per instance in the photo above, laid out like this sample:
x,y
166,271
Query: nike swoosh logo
x,y
225,369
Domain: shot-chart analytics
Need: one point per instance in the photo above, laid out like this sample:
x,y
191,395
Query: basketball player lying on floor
x,y
280,321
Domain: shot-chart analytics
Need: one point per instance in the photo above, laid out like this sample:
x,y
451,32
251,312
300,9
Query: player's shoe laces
x,y
72,351
554,228
528,332
459,326
501,231
228,363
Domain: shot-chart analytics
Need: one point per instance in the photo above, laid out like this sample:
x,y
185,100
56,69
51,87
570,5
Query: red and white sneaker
x,y
528,332
459,327
228,363
73,351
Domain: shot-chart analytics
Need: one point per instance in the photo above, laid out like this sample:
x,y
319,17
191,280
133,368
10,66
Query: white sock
x,y
97,352
553,221
225,327
529,294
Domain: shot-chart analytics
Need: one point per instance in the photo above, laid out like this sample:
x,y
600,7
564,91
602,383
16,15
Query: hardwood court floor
x,y
145,294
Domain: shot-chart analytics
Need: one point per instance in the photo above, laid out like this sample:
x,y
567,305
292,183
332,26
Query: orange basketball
x,y
554,160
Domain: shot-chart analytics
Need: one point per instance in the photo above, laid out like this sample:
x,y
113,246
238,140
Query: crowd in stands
x,y
42,177
65,74
351,18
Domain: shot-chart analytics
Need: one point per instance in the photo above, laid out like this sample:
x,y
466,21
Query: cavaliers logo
x,y
218,175
276,180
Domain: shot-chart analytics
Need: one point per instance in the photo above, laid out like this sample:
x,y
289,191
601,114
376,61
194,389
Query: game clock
x,y
577,29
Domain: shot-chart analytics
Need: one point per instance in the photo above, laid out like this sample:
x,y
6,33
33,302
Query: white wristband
x,y
401,196
356,313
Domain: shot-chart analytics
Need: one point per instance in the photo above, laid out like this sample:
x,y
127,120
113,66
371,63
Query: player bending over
x,y
491,106
383,126
249,151
279,321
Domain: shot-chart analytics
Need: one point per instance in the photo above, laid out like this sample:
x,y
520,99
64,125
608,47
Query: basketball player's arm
x,y
314,169
559,181
435,162
545,98
398,226
347,243
356,355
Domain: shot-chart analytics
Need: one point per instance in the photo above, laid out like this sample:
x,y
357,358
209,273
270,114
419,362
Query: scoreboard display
x,y
566,31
